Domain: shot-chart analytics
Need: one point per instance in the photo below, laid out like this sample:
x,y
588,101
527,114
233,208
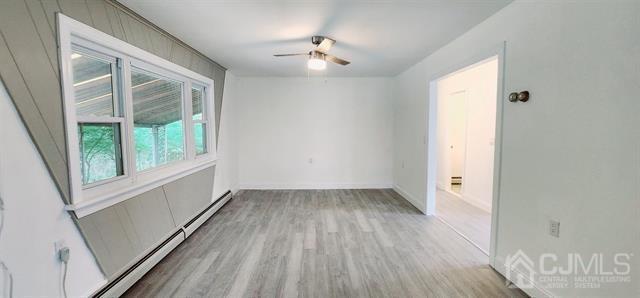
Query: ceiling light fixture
x,y
316,61
318,56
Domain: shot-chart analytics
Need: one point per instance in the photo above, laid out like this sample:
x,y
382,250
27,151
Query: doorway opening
x,y
466,109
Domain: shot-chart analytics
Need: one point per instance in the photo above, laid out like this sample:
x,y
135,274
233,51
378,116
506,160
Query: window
x,y
199,119
134,121
157,120
95,80
100,151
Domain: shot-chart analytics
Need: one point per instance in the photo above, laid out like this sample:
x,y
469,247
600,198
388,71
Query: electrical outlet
x,y
62,250
554,228
58,245
64,254
310,160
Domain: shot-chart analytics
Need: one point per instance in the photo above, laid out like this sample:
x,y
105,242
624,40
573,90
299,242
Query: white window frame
x,y
204,120
91,198
118,100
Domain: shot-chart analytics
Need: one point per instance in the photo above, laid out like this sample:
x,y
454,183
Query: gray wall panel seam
x,y
109,20
93,22
173,218
106,247
51,27
91,247
55,69
31,95
124,32
123,220
36,141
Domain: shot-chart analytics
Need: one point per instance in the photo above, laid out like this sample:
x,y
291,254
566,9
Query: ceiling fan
x,y
318,56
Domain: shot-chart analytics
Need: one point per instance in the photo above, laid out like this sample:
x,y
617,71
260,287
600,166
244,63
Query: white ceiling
x,y
379,37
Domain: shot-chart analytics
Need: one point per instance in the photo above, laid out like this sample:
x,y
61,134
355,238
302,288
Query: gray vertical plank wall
x,y
186,196
29,69
120,234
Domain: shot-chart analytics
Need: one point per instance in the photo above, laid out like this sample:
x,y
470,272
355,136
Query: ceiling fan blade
x,y
325,45
287,55
335,59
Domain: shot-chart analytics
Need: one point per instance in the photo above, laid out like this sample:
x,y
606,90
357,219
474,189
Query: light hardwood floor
x,y
323,243
471,221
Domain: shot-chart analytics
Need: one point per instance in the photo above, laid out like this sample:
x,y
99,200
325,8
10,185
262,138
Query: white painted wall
x,y
226,176
571,152
478,86
314,132
34,219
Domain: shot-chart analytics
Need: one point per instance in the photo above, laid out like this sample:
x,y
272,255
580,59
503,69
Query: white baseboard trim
x,y
409,198
95,288
535,291
133,275
191,227
476,202
467,198
317,186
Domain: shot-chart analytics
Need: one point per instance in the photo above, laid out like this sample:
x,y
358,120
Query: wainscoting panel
x,y
189,195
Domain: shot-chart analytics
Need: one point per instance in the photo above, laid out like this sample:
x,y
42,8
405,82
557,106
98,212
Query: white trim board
x,y
480,56
85,208
476,202
471,200
405,195
317,186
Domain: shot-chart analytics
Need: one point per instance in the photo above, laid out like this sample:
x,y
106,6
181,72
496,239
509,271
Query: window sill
x,y
142,185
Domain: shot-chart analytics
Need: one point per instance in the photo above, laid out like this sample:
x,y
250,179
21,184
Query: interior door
x,y
457,132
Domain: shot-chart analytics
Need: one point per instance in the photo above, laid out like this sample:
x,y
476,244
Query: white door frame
x,y
432,154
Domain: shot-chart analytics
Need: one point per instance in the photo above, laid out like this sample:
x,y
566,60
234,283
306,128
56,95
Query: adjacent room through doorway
x,y
466,125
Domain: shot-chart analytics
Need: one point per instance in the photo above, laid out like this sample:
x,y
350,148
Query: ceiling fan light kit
x,y
316,61
318,56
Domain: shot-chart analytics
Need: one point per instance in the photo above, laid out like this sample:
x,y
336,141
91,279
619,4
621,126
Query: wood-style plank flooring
x,y
323,243
471,221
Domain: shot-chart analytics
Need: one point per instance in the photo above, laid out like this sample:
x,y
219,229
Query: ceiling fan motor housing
x,y
316,40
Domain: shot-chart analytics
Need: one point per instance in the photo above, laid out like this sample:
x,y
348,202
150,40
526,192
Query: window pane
x,y
197,95
200,137
157,119
100,155
92,85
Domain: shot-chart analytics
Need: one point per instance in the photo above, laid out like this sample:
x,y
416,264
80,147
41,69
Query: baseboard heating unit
x,y
130,276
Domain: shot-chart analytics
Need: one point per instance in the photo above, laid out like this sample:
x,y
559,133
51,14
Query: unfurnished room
x,y
356,148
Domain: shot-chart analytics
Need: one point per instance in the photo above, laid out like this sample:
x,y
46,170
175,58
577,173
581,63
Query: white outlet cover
x,y
58,245
554,228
